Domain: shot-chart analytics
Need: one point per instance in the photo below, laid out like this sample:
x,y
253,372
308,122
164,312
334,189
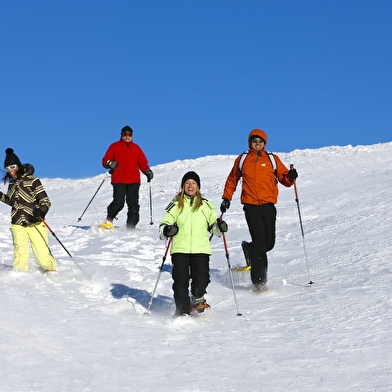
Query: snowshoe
x,y
260,288
107,226
199,305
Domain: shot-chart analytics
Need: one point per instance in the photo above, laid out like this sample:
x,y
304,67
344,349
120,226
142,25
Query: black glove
x,y
36,213
292,174
111,164
170,230
224,205
39,213
149,174
222,225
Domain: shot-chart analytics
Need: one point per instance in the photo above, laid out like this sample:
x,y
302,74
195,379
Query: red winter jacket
x,y
131,161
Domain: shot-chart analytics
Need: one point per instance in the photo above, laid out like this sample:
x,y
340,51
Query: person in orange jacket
x,y
126,160
260,172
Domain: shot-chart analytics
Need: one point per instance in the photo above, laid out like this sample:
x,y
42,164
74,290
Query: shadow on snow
x,y
143,297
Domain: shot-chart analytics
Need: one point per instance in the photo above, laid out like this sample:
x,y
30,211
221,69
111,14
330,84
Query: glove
x,y
170,230
222,225
111,164
38,213
224,205
292,174
149,174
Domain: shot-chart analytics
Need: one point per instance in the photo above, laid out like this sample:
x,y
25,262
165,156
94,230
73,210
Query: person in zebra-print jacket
x,y
29,204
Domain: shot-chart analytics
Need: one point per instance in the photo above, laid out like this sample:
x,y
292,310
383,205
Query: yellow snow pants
x,y
37,235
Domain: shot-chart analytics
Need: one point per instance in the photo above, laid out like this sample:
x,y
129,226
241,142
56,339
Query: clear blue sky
x,y
191,77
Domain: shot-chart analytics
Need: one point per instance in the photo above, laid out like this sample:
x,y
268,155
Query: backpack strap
x,y
271,157
243,157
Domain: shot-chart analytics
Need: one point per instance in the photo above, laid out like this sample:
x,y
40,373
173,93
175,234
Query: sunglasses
x,y
127,134
257,140
11,167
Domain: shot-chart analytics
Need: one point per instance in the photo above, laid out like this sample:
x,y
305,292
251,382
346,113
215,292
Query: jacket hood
x,y
259,133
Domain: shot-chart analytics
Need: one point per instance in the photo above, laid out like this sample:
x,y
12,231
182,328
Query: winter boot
x,y
245,249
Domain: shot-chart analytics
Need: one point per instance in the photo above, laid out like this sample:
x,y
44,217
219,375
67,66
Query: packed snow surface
x,y
64,332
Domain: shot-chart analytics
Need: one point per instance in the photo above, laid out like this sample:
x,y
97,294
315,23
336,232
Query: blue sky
x,y
192,78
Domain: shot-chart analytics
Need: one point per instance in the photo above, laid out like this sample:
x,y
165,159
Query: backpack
x,y
270,156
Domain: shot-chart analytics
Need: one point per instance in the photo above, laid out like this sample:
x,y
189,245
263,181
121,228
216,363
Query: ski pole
x,y
151,222
69,254
230,272
106,176
302,229
159,275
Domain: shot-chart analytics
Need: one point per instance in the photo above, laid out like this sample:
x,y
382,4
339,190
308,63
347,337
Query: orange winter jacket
x,y
259,184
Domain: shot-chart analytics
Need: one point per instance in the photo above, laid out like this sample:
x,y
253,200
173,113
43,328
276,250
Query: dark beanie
x,y
190,176
127,128
11,158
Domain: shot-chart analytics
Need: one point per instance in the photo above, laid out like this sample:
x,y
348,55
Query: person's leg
x,y
180,274
269,213
200,274
132,198
119,191
257,248
39,244
20,240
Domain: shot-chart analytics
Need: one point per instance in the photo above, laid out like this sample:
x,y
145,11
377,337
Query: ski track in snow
x,y
63,333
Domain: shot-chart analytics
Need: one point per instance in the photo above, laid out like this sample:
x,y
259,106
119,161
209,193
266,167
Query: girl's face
x,y
12,170
190,187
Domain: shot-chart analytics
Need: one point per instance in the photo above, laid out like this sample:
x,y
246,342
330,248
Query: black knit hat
x,y
190,176
11,158
127,128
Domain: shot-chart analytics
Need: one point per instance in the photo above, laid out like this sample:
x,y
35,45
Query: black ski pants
x,y
261,220
186,267
130,194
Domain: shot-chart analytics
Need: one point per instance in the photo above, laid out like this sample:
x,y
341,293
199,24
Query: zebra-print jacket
x,y
25,193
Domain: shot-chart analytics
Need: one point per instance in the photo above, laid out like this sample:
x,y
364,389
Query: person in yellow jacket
x,y
261,172
188,220
29,202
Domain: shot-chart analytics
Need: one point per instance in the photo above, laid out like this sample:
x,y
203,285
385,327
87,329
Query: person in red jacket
x,y
260,171
126,160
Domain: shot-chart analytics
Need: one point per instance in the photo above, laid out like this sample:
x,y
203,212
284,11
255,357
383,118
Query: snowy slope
x,y
63,333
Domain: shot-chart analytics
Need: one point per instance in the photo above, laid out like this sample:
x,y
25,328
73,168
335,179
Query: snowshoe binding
x,y
199,305
107,226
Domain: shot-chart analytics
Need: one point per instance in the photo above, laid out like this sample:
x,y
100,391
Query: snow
x,y
64,333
